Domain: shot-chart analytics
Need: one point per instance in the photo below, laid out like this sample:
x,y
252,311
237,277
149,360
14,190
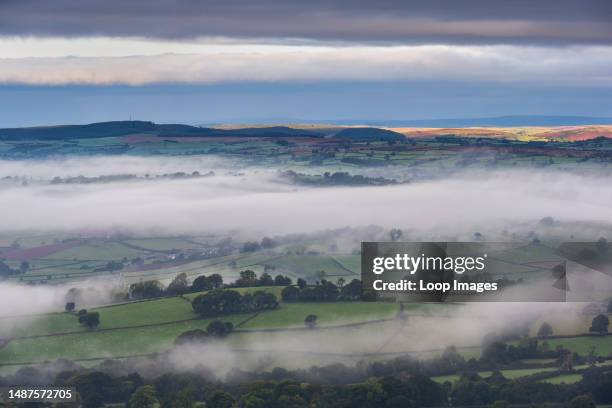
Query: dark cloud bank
x,y
470,21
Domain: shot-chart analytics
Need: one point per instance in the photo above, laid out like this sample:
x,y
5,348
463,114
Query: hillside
x,y
124,128
369,134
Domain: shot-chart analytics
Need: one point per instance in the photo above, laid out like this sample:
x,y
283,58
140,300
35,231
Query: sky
x,y
70,61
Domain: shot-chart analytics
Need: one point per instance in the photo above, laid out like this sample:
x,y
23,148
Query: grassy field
x,y
509,374
117,336
162,244
101,343
293,314
582,345
564,379
309,266
106,251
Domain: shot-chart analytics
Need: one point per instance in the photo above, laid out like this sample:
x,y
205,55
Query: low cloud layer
x,y
256,202
204,63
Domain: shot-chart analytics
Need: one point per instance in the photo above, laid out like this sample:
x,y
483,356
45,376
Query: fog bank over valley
x,y
257,201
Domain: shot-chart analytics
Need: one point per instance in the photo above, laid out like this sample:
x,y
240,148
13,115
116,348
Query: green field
x,y
509,374
564,379
106,251
165,317
293,314
582,345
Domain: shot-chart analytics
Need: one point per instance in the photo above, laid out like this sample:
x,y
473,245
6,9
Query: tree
x,y
179,285
91,320
547,221
264,300
290,294
600,324
183,399
201,283
266,280
545,330
217,328
281,280
144,397
192,336
146,289
340,282
220,399
69,307
251,246
301,283
395,234
215,280
582,401
247,278
352,290
216,302
398,401
24,266
310,321
267,243
610,307
602,245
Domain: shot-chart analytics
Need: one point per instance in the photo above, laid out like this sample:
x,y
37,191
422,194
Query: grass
x,y
108,251
564,379
293,314
352,262
129,341
509,374
308,266
162,243
155,311
582,345
101,343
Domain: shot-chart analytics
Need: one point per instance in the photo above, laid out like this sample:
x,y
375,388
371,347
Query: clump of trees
x,y
203,282
248,278
216,329
252,246
6,271
310,321
323,291
70,306
179,285
144,397
146,289
91,320
221,302
339,178
545,330
399,382
600,324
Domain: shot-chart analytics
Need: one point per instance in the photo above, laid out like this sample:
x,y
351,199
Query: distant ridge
x,y
124,128
496,121
499,121
369,133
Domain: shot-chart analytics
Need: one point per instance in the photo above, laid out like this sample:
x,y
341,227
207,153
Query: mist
x,y
256,201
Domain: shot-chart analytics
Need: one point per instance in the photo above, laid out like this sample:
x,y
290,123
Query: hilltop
x,y
125,128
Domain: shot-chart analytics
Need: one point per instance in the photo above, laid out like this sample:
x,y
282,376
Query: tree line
x,y
180,284
220,302
400,382
322,291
